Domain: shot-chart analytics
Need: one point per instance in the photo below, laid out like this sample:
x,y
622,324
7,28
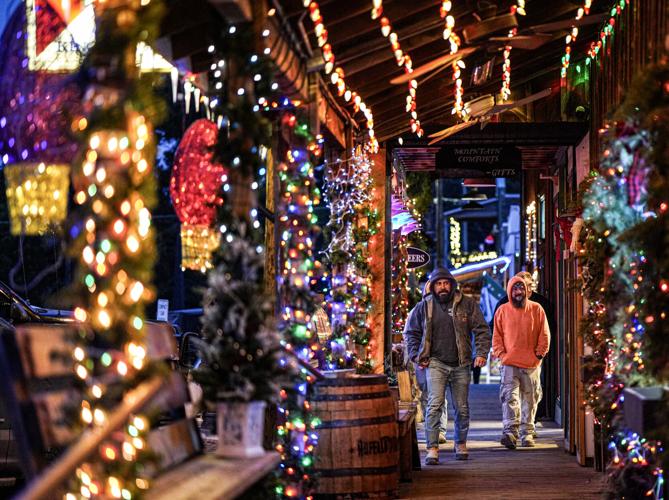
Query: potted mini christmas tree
x,y
241,370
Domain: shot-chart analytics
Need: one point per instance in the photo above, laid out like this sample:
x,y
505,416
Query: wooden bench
x,y
37,382
209,477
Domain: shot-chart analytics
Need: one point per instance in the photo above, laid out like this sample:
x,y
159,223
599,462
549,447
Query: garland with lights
x,y
352,222
625,209
403,59
400,291
297,436
112,237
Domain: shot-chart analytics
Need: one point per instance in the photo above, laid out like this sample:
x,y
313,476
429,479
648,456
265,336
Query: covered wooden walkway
x,y
493,472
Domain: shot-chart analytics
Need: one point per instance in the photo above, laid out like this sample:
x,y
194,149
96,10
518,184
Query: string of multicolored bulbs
x,y
403,59
571,37
296,432
606,31
337,76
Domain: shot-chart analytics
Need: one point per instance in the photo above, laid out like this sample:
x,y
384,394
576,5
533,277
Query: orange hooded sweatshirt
x,y
520,334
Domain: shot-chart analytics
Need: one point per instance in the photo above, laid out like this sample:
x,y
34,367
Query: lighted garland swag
x,y
626,268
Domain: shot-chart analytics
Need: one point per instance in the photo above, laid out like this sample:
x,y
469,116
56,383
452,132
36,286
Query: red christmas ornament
x,y
195,191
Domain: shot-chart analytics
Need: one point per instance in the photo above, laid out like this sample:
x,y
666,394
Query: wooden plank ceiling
x,y
369,64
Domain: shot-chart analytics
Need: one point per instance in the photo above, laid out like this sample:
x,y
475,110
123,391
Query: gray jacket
x,y
467,318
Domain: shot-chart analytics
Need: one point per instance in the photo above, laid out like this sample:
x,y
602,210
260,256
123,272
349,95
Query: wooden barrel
x,y
358,449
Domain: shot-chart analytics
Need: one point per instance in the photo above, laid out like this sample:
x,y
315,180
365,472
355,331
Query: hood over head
x,y
513,281
438,274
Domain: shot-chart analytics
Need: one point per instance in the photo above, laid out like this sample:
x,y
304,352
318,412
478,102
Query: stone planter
x,y
240,429
644,408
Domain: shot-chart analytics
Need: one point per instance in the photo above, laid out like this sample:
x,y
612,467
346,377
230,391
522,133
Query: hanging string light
x,y
517,8
456,66
353,221
337,76
571,38
403,59
606,31
114,188
297,436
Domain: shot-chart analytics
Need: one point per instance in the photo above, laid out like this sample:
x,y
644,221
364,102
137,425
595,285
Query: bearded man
x,y
521,337
438,338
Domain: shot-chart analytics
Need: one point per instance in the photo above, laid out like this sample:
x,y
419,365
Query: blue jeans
x,y
439,377
421,379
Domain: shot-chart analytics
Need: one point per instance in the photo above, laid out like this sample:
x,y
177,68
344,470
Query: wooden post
x,y
378,264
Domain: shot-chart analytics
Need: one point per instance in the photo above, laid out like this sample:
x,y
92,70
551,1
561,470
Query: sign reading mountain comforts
x,y
416,258
474,161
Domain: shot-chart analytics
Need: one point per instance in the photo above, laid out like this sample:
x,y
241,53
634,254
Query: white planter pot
x,y
240,429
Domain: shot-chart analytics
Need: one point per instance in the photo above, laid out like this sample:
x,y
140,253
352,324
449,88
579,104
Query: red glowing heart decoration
x,y
196,179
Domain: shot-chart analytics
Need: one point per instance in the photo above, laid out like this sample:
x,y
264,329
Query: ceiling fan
x,y
482,109
491,32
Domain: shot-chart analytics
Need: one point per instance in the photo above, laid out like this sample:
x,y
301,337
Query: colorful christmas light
x,y
296,431
114,188
353,221
571,38
622,278
606,31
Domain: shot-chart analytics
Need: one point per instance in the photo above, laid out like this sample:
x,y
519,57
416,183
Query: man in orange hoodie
x,y
520,340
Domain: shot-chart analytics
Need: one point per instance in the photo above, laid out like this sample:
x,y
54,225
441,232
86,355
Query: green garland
x,y
353,221
627,264
297,435
240,348
114,243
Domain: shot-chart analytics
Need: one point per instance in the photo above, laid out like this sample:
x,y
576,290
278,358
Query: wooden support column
x,y
378,264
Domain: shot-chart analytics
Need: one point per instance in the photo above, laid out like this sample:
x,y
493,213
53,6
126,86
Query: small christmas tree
x,y
241,349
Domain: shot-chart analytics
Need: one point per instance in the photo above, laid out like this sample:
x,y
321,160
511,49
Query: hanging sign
x,y
163,309
471,161
416,258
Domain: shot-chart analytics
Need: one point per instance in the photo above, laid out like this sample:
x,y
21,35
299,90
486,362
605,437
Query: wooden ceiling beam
x,y
400,14
386,55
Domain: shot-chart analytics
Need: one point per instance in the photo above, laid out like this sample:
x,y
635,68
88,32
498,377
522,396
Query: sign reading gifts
x,y
59,33
477,161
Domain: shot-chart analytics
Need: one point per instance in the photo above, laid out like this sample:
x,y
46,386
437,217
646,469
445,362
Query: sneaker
x,y
508,440
442,438
527,441
432,457
461,452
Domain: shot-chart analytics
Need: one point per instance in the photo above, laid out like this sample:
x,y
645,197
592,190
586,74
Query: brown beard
x,y
518,303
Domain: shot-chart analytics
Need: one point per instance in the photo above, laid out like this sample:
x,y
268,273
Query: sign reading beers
x,y
416,258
